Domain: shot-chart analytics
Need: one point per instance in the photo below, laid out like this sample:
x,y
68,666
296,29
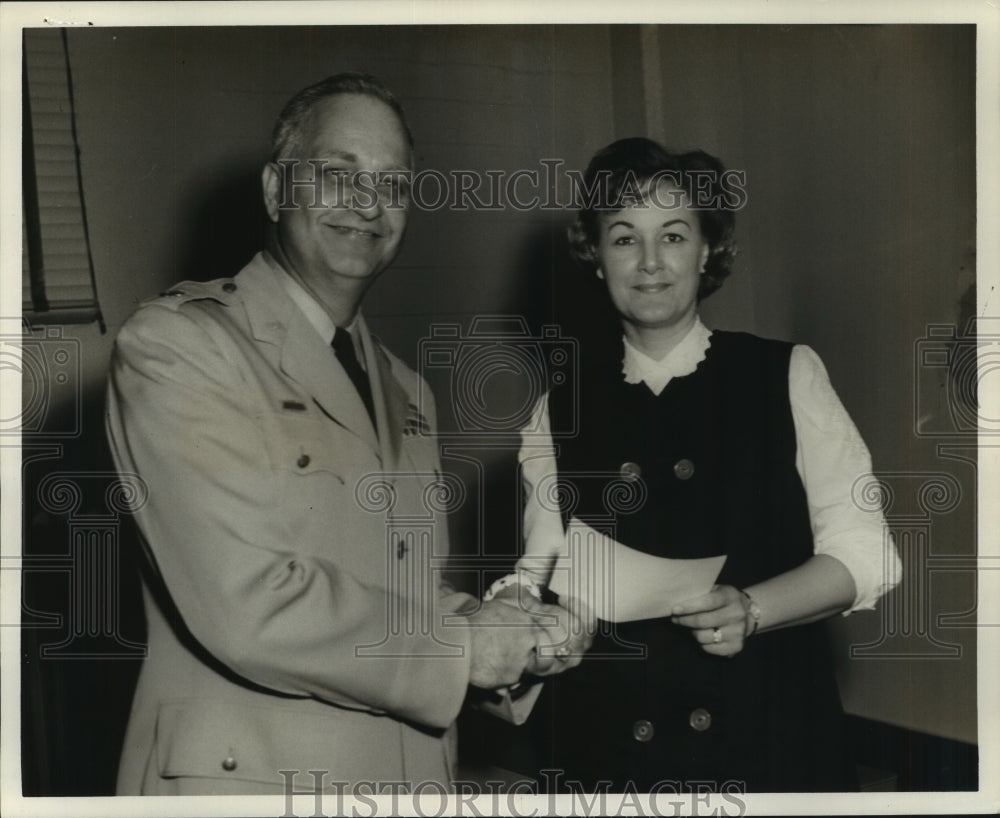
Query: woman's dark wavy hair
x,y
636,160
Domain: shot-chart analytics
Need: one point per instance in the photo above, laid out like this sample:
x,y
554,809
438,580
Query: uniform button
x,y
700,719
303,461
683,469
229,287
229,764
630,471
642,730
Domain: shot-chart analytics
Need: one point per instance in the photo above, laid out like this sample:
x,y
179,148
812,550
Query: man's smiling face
x,y
351,233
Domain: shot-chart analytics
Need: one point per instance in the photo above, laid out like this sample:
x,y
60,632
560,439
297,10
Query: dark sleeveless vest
x,y
715,452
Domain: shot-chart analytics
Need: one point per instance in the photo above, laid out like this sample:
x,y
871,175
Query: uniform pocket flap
x,y
219,739
304,443
194,738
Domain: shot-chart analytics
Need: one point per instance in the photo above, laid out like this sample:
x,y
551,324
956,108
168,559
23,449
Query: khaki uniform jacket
x,y
296,619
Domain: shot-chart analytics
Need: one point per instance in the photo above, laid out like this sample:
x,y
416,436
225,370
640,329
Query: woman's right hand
x,y
718,619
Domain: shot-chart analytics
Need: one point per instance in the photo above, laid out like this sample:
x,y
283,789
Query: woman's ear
x,y
600,273
706,251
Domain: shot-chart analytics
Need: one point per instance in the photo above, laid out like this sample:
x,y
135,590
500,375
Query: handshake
x,y
515,634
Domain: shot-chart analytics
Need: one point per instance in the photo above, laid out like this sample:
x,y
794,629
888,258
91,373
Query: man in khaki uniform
x,y
296,621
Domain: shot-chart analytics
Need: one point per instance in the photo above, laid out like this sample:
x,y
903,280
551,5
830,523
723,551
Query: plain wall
x,y
858,232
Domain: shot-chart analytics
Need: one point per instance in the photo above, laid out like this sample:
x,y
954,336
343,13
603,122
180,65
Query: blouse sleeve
x,y
831,457
543,529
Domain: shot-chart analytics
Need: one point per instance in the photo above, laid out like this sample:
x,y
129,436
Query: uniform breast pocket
x,y
317,463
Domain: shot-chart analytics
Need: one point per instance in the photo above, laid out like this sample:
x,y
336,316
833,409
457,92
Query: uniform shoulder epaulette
x,y
220,289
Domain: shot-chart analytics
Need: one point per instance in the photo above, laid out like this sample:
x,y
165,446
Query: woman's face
x,y
651,257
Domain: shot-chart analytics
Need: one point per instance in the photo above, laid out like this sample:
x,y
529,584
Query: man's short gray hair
x,y
287,135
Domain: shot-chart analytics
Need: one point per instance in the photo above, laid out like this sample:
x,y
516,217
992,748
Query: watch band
x,y
753,615
519,578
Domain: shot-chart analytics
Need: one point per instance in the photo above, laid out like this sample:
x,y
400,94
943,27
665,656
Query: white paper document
x,y
620,584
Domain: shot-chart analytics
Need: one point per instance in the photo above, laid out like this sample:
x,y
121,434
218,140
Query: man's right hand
x,y
503,639
507,635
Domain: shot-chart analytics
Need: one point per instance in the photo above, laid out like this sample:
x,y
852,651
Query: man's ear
x,y
272,184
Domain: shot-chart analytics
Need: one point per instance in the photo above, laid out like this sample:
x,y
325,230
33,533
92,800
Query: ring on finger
x,y
562,652
716,636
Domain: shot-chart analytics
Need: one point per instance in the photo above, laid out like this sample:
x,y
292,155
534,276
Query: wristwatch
x,y
519,578
753,615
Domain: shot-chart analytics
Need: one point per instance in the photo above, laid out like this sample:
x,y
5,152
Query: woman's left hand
x,y
718,620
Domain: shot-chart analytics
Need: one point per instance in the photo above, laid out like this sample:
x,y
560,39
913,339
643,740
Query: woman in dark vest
x,y
742,449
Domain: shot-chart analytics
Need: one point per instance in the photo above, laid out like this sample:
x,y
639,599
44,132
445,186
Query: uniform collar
x,y
313,311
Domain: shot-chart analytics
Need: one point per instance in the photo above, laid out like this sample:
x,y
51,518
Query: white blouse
x,y
830,458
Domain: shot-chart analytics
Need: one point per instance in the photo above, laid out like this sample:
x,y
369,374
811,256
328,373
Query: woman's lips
x,y
651,289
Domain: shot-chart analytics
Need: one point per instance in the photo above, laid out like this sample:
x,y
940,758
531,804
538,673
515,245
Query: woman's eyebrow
x,y
667,223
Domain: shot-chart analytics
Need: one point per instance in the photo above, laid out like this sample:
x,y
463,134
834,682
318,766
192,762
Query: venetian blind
x,y
57,271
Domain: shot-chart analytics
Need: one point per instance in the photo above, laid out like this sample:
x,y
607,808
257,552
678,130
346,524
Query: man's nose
x,y
366,198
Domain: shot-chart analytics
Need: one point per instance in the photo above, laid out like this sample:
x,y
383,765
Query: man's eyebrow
x,y
334,153
352,158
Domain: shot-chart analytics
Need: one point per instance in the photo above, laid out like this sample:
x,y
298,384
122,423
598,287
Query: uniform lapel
x,y
303,355
389,396
311,362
